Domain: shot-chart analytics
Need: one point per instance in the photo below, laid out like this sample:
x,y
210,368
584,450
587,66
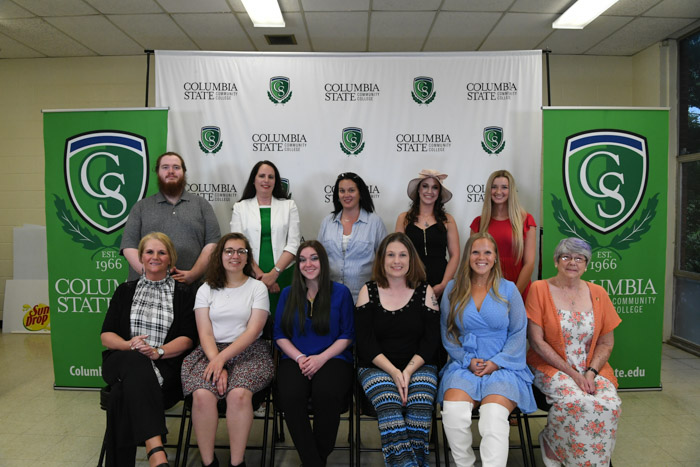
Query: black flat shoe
x,y
155,450
214,463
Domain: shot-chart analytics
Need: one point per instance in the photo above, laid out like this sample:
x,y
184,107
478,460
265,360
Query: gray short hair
x,y
571,246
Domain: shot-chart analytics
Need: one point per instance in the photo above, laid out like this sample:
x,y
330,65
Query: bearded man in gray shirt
x,y
187,219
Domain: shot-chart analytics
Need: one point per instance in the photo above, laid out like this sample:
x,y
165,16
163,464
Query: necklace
x,y
233,285
568,297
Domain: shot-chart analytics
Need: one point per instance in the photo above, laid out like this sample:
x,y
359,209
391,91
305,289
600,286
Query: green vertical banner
x,y
97,165
605,181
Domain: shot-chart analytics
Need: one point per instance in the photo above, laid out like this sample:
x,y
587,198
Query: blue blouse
x,y
354,266
342,325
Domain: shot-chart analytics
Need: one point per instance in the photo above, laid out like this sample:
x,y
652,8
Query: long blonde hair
x,y
462,291
516,213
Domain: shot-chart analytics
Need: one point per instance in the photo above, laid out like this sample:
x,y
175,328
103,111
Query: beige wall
x,y
28,86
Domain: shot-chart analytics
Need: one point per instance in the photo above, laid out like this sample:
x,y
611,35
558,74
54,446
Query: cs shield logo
x,y
210,139
280,90
351,142
106,174
423,90
492,140
605,175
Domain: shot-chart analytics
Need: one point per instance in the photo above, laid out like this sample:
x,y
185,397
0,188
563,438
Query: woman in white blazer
x,y
270,222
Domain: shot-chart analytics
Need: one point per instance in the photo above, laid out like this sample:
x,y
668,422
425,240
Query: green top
x,y
267,259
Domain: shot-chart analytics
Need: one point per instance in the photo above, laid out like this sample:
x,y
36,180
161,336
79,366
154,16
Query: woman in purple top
x,y
314,327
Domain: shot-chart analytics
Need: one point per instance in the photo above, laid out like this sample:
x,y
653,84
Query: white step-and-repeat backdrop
x,y
383,116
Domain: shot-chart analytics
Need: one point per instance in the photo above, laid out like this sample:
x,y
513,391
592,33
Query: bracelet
x,y
590,368
299,356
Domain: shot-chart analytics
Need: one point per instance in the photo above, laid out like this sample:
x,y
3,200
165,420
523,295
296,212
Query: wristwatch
x,y
279,271
590,368
160,351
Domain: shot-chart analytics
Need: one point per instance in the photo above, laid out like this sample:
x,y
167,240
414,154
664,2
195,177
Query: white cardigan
x,y
284,223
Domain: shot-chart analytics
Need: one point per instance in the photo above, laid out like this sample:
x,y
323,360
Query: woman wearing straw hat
x,y
431,230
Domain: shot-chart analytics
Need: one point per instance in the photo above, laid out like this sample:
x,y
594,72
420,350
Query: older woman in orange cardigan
x,y
570,329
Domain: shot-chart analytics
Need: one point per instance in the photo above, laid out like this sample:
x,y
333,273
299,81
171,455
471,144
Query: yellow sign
x,y
36,318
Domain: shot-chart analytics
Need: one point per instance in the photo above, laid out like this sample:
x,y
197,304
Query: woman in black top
x,y
148,329
398,333
433,231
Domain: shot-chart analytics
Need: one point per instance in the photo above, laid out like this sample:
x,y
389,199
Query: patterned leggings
x,y
405,430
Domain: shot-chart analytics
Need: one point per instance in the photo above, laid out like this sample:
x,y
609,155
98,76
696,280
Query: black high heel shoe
x,y
155,450
214,463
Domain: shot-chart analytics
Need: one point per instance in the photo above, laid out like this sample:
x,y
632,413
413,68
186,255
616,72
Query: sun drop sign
x,y
36,318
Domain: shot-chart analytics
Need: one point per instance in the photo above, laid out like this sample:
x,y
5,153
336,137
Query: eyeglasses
x,y
231,251
577,259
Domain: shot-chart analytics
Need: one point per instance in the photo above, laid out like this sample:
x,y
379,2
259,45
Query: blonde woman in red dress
x,y
512,227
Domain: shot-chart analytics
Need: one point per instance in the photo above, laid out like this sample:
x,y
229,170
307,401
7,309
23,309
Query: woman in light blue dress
x,y
484,328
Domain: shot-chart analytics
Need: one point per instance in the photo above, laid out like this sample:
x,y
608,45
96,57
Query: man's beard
x,y
172,189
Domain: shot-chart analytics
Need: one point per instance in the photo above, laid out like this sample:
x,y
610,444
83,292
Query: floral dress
x,y
581,428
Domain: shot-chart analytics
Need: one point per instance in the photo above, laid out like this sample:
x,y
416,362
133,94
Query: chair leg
x,y
103,450
181,433
265,431
185,454
528,433
434,436
523,446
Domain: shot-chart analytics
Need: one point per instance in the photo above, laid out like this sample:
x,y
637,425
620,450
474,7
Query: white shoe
x,y
456,422
547,461
495,431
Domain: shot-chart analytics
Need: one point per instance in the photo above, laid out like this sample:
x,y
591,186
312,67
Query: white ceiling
x,y
72,28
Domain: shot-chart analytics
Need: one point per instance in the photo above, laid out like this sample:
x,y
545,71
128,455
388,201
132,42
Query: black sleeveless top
x,y
431,245
398,334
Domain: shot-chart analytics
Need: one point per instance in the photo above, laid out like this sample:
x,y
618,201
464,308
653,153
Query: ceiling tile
x,y
519,31
335,5
338,32
294,25
56,7
9,10
405,5
398,31
157,32
458,30
637,35
41,36
689,29
122,7
540,6
476,5
198,6
10,48
215,31
630,7
97,33
676,9
577,41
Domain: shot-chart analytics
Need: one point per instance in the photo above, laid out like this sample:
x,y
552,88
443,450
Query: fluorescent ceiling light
x,y
581,13
264,13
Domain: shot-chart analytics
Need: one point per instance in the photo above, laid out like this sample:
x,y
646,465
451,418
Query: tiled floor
x,y
43,427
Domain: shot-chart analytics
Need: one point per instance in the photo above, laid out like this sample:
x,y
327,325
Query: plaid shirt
x,y
152,312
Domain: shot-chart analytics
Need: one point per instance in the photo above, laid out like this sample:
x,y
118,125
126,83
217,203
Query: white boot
x,y
457,421
495,431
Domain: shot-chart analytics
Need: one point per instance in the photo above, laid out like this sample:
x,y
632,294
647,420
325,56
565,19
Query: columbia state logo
x,y
280,91
423,90
492,140
210,139
106,173
352,141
